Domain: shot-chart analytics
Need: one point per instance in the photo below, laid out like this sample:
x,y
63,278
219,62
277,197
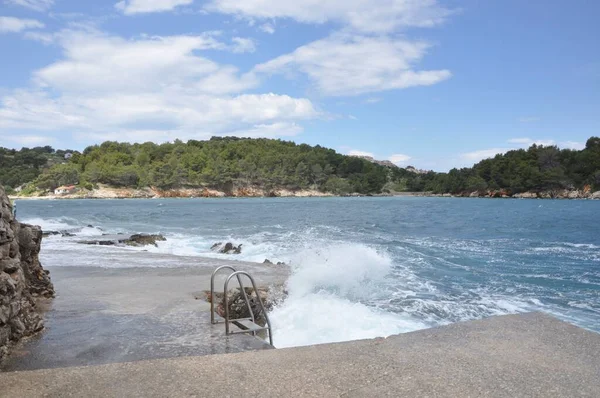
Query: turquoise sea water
x,y
366,267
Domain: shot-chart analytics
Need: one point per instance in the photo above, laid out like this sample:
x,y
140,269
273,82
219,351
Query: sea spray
x,y
328,294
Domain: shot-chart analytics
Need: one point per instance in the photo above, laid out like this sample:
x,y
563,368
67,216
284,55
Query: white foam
x,y
320,318
327,292
52,224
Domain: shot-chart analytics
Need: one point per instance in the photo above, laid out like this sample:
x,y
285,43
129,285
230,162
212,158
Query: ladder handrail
x,y
212,293
262,307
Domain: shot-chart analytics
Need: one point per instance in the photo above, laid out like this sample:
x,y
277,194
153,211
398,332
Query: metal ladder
x,y
245,325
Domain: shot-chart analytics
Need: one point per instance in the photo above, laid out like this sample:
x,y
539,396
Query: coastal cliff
x,y
22,278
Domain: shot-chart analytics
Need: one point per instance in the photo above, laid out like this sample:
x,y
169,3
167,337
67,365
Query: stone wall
x,y
22,278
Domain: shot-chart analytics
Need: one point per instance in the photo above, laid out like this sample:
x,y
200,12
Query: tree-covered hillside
x,y
21,167
218,163
225,163
539,168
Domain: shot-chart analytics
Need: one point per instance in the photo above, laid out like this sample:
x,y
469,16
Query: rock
x,y
595,195
237,305
65,232
228,248
526,195
137,240
474,194
22,278
144,240
269,262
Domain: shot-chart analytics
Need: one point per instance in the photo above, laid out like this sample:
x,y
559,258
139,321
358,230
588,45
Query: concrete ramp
x,y
527,355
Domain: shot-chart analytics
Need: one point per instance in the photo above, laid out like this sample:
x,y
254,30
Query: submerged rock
x,y
269,262
68,232
137,240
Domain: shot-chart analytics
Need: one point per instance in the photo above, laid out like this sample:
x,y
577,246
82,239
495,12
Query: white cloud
x,y
30,140
130,7
476,156
572,145
267,28
42,37
529,142
373,100
280,129
36,5
243,45
14,25
99,63
361,15
147,88
345,64
399,158
354,152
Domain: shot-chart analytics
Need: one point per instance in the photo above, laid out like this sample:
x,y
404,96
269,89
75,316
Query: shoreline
x,y
565,195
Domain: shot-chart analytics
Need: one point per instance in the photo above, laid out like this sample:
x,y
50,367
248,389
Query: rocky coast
x,y
505,194
24,284
107,192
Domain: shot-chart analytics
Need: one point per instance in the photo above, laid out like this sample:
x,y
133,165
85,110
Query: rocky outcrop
x,y
144,240
67,232
227,248
269,262
526,195
550,194
238,307
136,240
22,278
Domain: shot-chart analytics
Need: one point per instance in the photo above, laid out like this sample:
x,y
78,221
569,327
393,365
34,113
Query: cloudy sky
x,y
431,83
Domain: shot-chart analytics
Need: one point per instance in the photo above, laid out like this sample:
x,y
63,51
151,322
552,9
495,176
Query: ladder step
x,y
248,326
220,319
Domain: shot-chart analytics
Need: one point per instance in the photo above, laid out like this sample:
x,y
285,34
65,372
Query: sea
x,y
363,267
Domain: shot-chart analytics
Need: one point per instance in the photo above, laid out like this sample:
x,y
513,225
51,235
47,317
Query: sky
x,y
435,84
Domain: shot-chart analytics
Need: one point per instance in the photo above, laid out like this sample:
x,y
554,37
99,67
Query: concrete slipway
x,y
527,355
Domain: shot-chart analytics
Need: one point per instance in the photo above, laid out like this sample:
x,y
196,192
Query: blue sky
x,y
431,83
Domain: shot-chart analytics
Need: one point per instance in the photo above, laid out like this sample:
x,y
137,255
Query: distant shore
x,y
106,192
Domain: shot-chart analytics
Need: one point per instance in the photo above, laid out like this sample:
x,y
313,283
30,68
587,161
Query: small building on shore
x,y
65,190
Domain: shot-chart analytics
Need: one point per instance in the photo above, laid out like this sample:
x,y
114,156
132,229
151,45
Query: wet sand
x,y
103,315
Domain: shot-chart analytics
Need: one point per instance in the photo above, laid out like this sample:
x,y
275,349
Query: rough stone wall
x,y
22,278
